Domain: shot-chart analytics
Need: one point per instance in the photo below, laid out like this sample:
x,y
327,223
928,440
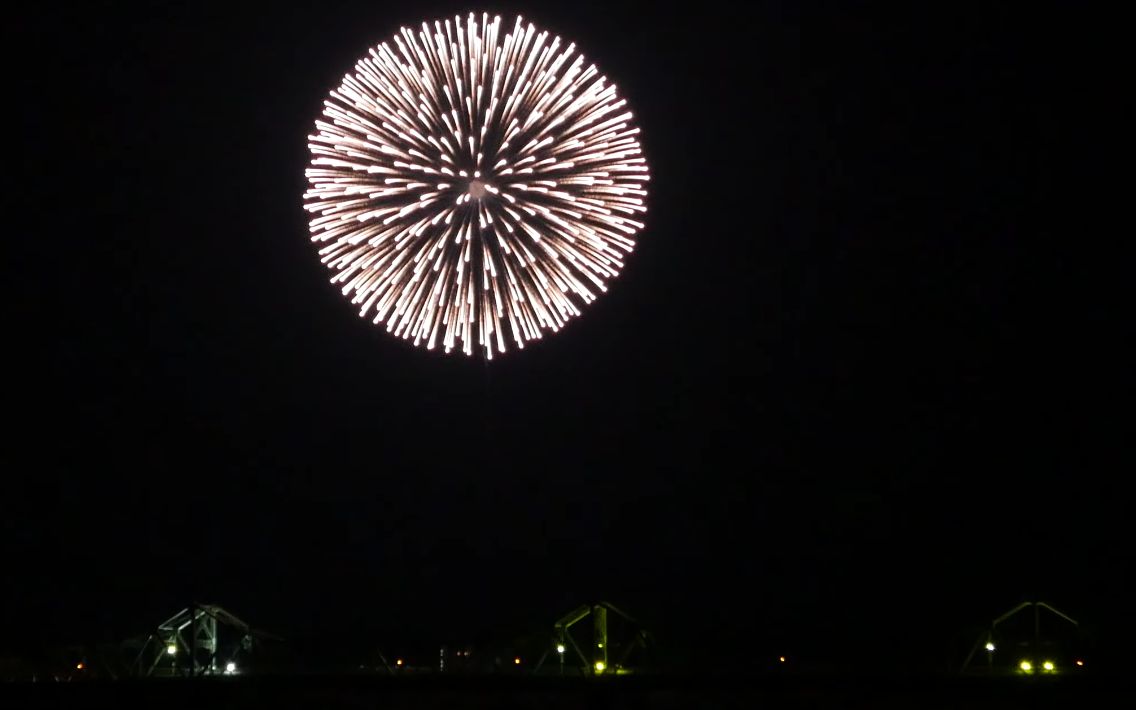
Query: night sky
x,y
847,394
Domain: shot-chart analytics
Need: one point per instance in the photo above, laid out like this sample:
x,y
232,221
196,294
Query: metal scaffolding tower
x,y
1033,648
598,659
202,639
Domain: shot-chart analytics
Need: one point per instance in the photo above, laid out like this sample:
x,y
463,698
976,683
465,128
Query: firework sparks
x,y
474,186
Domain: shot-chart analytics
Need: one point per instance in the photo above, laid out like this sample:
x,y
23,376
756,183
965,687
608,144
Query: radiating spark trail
x,y
473,187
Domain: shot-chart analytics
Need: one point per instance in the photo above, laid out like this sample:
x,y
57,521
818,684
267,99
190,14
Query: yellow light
x,y
398,662
1048,665
1026,666
517,661
781,658
600,666
1080,663
78,666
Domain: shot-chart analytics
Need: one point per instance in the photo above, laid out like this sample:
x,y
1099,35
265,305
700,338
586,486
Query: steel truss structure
x,y
990,640
200,640
601,651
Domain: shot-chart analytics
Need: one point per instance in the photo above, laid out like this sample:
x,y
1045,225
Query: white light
x,y
172,649
989,645
560,648
230,668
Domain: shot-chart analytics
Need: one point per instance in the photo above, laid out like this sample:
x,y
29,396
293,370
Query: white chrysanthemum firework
x,y
471,186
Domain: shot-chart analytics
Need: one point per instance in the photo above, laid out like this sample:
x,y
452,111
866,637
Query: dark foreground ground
x,y
329,692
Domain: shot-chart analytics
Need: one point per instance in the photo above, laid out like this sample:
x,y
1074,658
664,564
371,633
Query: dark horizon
x,y
848,395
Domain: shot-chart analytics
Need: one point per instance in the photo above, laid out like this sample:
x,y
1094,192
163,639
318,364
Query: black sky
x,y
846,394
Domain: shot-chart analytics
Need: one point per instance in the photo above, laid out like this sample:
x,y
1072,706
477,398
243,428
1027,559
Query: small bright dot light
x,y
230,667
1026,666
989,645
78,666
781,658
560,649
517,661
1048,665
600,666
1080,663
398,662
172,649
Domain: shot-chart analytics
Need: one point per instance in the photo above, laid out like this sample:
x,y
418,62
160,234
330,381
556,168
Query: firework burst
x,y
468,185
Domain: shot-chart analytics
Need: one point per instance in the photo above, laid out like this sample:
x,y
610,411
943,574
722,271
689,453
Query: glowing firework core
x,y
474,184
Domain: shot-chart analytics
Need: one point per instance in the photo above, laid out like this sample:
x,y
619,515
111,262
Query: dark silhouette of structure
x,y
606,652
1014,645
200,640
